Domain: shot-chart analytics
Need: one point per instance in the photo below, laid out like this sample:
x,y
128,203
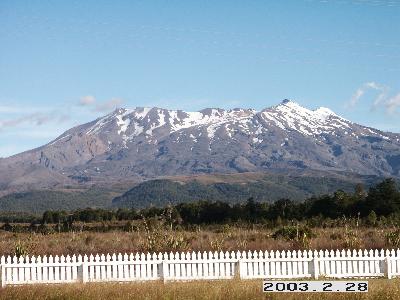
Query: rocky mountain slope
x,y
145,143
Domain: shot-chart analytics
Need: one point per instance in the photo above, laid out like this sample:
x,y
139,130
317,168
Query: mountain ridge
x,y
147,143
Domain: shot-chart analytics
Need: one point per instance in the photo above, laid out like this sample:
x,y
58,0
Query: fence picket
x,y
197,265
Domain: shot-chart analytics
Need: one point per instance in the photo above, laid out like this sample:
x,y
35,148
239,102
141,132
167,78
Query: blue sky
x,y
56,56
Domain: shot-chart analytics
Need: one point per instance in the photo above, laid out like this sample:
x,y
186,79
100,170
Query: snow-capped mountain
x,y
146,142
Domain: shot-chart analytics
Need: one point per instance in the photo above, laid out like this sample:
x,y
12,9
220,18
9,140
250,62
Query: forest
x,y
379,203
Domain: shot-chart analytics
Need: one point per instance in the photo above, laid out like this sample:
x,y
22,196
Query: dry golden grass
x,y
228,289
226,238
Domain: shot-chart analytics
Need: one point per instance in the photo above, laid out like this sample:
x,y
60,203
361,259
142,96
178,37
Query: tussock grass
x,y
225,238
224,289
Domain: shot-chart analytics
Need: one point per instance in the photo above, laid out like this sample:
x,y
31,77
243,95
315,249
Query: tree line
x,y
380,201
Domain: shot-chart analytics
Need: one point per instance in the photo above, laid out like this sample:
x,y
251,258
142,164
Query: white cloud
x,y
105,106
108,105
87,100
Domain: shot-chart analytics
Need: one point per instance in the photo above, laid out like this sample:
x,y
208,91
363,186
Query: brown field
x,y
226,238
230,289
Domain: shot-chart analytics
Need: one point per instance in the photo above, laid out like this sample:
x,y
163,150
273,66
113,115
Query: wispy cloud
x,y
382,99
381,89
105,106
393,103
36,119
9,109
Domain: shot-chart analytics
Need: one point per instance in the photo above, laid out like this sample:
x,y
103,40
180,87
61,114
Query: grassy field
x,y
229,289
226,238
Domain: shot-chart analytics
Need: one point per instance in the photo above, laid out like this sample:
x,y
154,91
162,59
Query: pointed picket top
x,y
398,253
321,253
39,259
119,257
215,254
387,252
315,254
348,253
343,253
294,254
15,259
21,259
354,254
114,257
392,253
360,253
33,259
376,253
97,258
148,256
382,253
188,256
9,259
91,257
79,258
371,253
238,254
365,253
299,253
102,258
266,254
137,256
255,255
337,253
244,256
73,258
272,254
310,253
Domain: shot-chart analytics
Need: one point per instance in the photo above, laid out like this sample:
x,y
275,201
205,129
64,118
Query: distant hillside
x,y
268,188
230,188
42,200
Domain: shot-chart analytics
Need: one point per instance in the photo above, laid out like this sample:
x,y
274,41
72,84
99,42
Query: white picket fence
x,y
197,266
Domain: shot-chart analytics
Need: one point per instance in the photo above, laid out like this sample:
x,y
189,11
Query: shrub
x,y
293,233
393,238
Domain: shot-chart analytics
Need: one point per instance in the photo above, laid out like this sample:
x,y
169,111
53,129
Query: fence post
x,y
388,267
164,271
241,270
3,281
316,267
85,269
